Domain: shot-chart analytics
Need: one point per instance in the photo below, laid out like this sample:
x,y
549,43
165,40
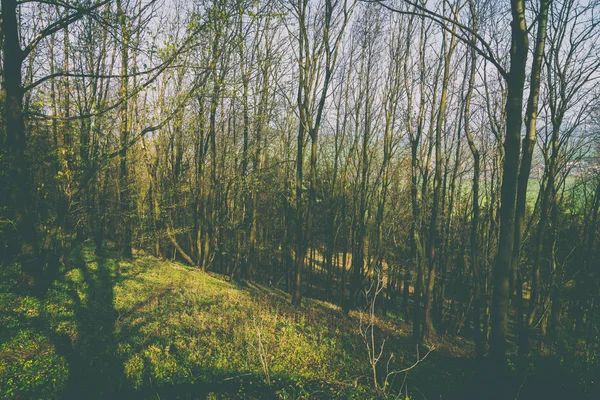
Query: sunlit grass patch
x,y
29,362
182,325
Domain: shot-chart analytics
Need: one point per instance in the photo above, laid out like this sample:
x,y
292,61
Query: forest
x,y
294,199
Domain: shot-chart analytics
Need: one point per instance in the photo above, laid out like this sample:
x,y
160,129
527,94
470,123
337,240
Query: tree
x,y
15,139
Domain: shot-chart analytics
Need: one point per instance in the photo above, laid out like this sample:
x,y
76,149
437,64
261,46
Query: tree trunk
x,y
514,121
474,253
23,207
525,167
124,195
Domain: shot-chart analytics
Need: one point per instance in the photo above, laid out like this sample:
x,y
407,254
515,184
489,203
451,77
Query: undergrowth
x,y
152,329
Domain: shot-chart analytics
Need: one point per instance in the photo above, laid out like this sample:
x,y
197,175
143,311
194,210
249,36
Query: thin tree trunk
x,y
525,167
124,195
474,253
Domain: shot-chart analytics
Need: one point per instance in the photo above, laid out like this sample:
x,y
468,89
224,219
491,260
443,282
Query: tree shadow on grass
x,y
97,366
95,369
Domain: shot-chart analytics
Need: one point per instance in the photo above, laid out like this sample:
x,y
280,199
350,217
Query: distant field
x,y
533,188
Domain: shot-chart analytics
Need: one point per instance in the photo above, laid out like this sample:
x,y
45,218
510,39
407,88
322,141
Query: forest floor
x,y
150,329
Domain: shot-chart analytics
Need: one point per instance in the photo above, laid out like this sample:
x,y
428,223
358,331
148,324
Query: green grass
x,y
150,329
144,326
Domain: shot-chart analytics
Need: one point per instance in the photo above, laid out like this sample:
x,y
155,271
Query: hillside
x,y
112,326
147,328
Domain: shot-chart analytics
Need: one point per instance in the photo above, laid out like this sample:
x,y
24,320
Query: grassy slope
x,y
153,329
143,326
